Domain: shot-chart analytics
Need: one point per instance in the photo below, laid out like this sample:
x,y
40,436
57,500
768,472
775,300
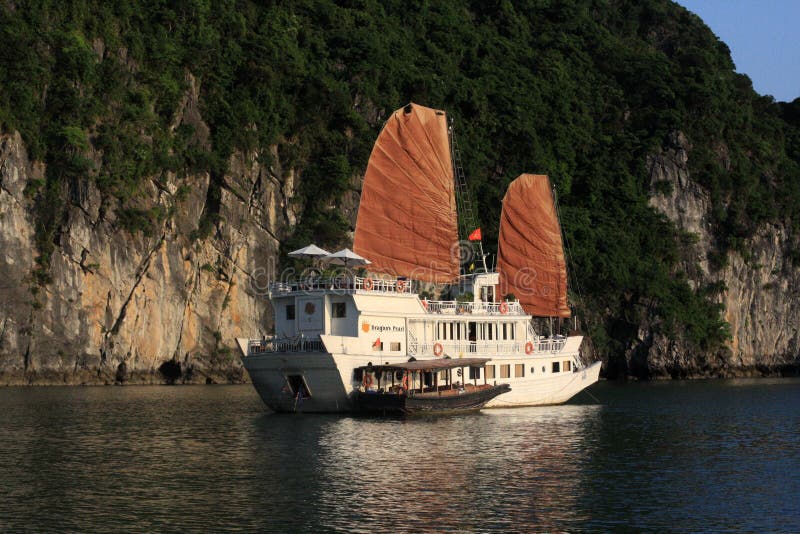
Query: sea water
x,y
667,456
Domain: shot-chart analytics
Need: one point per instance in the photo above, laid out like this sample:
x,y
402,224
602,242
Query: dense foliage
x,y
583,91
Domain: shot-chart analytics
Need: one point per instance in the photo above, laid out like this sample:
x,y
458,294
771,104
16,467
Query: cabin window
x,y
290,312
513,329
556,367
491,331
377,346
452,336
519,370
394,346
505,370
489,372
544,369
339,310
533,369
474,373
505,334
567,366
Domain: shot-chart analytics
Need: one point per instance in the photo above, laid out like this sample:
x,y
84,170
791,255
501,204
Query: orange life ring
x,y
528,348
405,381
437,349
367,380
401,286
368,284
504,307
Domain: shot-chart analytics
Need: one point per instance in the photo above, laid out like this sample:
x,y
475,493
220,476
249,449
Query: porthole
x,y
543,368
533,369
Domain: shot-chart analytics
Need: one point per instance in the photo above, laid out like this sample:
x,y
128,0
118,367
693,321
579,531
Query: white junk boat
x,y
408,227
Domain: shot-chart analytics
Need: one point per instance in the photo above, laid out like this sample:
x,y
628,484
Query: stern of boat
x,y
297,379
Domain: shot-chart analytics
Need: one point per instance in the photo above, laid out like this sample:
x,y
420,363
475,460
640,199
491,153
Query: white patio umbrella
x,y
310,251
346,257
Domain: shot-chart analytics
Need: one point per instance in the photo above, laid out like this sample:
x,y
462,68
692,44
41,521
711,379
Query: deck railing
x,y
295,344
344,284
473,308
463,348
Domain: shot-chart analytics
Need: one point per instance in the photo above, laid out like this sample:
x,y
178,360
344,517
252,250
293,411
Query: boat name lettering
x,y
386,328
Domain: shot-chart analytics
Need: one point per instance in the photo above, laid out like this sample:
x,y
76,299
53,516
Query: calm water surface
x,y
692,456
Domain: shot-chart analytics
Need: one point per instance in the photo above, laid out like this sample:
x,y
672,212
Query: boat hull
x,y
271,374
426,403
329,379
544,391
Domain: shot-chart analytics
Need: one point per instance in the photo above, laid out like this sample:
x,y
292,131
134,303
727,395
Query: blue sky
x,y
763,37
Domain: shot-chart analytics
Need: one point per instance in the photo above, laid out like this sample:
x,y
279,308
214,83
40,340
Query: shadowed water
x,y
692,456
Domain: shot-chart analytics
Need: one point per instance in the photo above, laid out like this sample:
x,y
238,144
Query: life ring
x,y
528,348
368,284
367,380
437,349
504,307
401,286
405,381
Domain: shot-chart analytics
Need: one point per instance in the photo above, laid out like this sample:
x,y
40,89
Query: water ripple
x,y
718,456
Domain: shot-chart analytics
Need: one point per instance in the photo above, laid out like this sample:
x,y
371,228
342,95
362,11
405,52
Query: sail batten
x,y
530,256
407,222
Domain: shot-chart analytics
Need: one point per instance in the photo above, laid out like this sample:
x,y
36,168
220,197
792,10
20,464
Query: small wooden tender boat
x,y
424,387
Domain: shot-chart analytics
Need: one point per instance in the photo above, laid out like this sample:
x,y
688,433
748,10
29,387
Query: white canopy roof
x,y
310,251
346,257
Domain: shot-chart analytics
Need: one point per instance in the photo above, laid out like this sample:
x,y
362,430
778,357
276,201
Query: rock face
x,y
760,292
166,307
137,308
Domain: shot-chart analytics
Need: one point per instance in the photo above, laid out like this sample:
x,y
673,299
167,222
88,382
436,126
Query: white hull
x,y
329,379
555,389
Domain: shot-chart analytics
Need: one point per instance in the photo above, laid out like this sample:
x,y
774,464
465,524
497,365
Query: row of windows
x,y
476,331
519,370
505,370
394,346
338,311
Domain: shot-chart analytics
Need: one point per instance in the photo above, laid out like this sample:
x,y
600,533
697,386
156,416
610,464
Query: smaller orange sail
x,y
530,254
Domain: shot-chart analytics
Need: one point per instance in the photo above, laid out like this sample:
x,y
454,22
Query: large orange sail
x,y
407,222
530,254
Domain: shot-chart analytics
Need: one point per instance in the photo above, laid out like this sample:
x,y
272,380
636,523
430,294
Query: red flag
x,y
377,343
475,235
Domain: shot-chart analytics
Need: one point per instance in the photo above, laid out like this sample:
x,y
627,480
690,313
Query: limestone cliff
x,y
129,307
759,291
137,308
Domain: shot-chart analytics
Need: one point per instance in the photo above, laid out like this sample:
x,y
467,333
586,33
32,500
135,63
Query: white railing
x,y
343,284
549,344
473,308
385,286
459,348
295,344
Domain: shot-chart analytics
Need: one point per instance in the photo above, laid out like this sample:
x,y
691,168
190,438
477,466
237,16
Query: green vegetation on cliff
x,y
582,91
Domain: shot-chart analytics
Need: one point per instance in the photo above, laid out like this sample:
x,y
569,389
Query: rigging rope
x,y
573,278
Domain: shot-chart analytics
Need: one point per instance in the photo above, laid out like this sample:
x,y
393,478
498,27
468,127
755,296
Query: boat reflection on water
x,y
500,469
